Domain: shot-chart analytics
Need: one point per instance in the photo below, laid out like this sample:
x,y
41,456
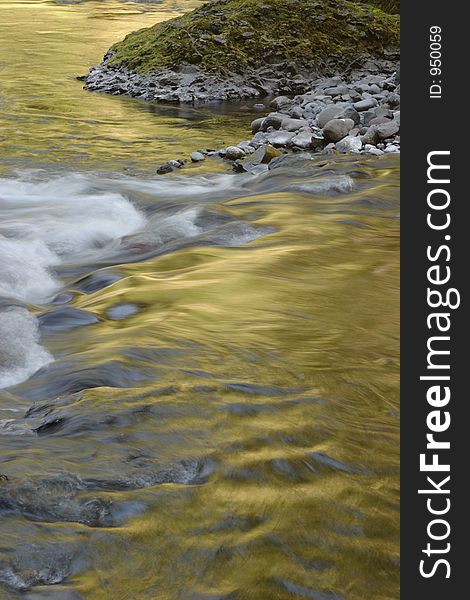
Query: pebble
x,y
296,112
328,113
349,144
273,120
263,156
371,136
365,104
379,120
350,113
337,129
164,168
293,124
370,149
256,124
280,101
247,147
279,138
234,153
332,116
387,130
337,91
303,139
176,164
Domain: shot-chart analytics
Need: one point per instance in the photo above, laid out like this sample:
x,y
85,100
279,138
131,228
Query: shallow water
x,y
199,372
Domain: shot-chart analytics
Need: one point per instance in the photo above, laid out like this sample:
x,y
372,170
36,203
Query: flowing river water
x,y
198,372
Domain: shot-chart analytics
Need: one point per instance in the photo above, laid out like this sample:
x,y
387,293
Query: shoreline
x,y
352,114
331,68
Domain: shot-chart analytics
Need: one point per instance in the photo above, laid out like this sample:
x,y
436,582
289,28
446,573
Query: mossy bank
x,y
228,49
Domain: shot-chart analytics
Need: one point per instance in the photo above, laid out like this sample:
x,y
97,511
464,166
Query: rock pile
x,y
361,115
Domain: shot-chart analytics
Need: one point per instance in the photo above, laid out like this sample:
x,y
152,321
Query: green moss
x,y
390,6
237,34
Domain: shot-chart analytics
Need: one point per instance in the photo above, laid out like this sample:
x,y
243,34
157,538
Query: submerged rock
x,y
263,156
197,157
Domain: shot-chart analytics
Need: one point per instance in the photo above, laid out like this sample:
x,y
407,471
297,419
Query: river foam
x,y
54,228
21,354
43,225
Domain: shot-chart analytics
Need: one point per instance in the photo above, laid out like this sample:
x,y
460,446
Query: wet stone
x,y
66,318
122,311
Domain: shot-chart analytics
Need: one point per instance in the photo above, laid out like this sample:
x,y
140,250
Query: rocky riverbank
x,y
359,114
334,62
238,49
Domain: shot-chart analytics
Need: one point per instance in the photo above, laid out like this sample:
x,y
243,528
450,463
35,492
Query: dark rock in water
x,y
165,168
62,299
291,161
49,426
337,129
66,318
55,500
97,281
263,156
197,157
33,565
256,124
66,498
122,311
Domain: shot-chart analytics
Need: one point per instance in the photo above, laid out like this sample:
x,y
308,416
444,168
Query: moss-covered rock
x,y
239,34
390,6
